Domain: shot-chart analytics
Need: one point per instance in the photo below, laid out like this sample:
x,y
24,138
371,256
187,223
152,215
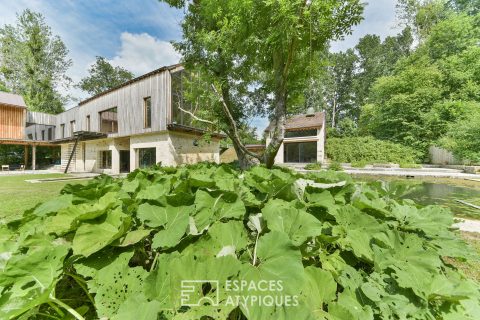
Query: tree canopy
x,y
33,62
103,76
256,54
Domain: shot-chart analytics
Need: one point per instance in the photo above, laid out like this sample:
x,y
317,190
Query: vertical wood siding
x,y
129,103
12,122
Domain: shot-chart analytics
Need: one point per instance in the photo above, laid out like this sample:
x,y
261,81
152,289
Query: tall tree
x,y
471,7
338,90
103,76
260,46
422,15
429,90
33,62
377,59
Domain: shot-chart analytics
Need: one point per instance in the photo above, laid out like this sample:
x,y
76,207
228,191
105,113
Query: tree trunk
x,y
334,111
244,160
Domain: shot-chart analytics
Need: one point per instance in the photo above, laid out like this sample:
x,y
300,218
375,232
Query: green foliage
x,y
430,90
335,166
369,150
462,137
34,62
314,166
103,76
256,54
120,248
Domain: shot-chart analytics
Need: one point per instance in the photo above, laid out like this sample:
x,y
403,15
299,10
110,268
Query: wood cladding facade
x,y
12,122
129,102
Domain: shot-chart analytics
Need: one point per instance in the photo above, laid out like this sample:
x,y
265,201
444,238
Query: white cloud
x,y
142,53
380,19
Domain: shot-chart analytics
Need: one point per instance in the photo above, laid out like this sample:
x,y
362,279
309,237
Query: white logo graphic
x,y
190,290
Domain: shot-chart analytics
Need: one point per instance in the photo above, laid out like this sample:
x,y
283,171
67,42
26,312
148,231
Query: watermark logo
x,y
236,293
189,293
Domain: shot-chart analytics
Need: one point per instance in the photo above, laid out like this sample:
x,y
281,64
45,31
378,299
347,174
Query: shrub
x,y
335,166
313,166
369,150
359,164
121,248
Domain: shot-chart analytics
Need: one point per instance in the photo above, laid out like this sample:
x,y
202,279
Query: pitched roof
x,y
151,73
302,121
11,99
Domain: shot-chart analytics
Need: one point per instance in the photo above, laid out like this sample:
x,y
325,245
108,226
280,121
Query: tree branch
x,y
234,132
194,116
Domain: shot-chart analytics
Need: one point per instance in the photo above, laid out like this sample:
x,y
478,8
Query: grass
x,y
17,195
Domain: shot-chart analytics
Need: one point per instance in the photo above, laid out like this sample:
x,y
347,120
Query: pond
x,y
444,192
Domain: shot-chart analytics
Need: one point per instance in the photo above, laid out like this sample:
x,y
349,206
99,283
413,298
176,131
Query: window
x,y
147,112
50,134
62,130
302,152
109,121
43,135
72,127
146,157
301,133
87,127
105,159
179,102
30,136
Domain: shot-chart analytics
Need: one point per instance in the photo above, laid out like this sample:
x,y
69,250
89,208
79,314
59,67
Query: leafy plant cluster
x,y
120,248
369,150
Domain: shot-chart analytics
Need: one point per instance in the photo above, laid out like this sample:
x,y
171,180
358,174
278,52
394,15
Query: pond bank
x,y
468,225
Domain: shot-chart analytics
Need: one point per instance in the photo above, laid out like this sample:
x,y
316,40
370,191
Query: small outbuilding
x,y
304,140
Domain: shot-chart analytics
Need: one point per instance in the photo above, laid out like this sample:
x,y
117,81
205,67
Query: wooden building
x,y
12,117
134,125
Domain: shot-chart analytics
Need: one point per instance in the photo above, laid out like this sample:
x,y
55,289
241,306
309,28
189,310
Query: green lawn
x,y
16,195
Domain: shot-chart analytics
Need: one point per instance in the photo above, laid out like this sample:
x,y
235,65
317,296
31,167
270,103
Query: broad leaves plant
x,y
122,248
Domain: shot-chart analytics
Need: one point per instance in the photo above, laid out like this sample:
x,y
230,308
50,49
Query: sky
x,y
136,34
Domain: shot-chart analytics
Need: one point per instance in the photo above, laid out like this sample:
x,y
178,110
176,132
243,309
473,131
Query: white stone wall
x,y
171,149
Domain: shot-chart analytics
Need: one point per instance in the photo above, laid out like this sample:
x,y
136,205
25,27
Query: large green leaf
x,y
28,279
298,224
94,235
174,228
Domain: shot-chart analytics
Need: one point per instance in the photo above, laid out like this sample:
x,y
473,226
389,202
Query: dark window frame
x,y
105,159
143,155
105,123
301,133
147,112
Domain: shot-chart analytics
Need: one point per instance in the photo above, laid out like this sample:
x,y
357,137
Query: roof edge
x,y
146,75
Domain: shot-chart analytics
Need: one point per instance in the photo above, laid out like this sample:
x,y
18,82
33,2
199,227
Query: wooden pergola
x,y
26,144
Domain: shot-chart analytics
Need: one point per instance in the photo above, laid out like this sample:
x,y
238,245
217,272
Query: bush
x,y
369,150
463,139
335,166
359,164
313,166
121,248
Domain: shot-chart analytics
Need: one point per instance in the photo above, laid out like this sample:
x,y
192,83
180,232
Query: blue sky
x,y
136,34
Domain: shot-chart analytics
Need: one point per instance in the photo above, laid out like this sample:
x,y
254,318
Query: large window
x,y
109,121
50,134
301,152
179,87
105,159
147,112
146,157
300,133
62,130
